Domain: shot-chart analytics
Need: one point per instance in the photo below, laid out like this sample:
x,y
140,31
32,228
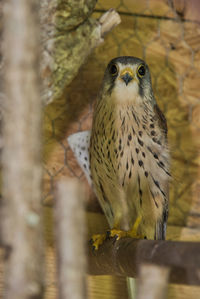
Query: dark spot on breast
x,y
79,153
129,174
140,142
115,150
86,158
140,191
146,174
136,120
103,192
154,140
143,154
140,133
127,165
152,126
137,150
120,147
153,133
140,162
128,143
155,156
120,141
129,137
161,163
144,119
121,155
113,135
149,149
84,165
109,141
144,127
132,161
157,183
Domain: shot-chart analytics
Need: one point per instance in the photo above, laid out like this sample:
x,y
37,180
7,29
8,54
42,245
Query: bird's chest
x,y
130,146
129,162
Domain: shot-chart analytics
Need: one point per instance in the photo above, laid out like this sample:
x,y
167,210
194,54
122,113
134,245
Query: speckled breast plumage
x,y
130,165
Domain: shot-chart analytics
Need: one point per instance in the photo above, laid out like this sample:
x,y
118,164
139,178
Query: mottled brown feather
x,y
161,119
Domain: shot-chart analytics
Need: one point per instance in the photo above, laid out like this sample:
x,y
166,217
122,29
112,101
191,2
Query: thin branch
x,y
124,256
21,210
108,21
70,239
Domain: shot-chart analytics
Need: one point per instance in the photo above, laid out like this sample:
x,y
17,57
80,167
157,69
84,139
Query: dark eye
x,y
141,71
113,69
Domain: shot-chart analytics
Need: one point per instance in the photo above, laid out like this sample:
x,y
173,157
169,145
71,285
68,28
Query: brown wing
x,y
161,225
161,119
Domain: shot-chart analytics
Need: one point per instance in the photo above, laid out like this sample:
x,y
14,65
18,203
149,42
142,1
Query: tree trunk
x,y
69,35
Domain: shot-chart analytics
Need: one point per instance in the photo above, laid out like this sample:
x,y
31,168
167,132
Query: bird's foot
x,y
117,234
97,240
132,233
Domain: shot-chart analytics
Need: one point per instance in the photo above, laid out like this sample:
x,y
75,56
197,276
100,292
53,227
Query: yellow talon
x,y
117,233
133,233
98,240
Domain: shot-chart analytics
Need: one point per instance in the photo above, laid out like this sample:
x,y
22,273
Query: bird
x,y
125,155
129,153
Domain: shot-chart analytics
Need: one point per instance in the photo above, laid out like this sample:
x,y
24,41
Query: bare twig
x,y
22,172
70,239
108,21
124,256
153,280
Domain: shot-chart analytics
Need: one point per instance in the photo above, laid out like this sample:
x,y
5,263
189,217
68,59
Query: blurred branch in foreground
x,y
153,280
123,257
21,210
70,235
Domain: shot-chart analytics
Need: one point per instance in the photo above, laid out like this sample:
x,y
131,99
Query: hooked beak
x,y
127,75
127,78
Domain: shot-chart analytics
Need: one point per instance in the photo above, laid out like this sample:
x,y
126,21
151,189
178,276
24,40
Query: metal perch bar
x,y
123,258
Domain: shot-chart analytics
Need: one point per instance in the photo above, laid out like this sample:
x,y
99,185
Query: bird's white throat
x,y
123,93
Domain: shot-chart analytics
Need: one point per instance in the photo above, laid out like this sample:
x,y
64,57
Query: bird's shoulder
x,y
162,122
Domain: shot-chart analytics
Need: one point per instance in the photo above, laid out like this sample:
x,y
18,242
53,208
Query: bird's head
x,y
128,77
